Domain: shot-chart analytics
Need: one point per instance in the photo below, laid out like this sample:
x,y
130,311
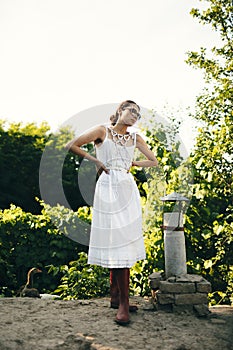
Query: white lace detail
x,y
114,152
119,138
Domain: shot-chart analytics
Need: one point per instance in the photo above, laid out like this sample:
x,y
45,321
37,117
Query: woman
x,y
116,240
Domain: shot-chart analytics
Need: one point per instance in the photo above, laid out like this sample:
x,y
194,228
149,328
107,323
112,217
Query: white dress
x,y
116,239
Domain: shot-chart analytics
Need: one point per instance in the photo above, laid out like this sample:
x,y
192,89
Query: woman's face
x,y
129,115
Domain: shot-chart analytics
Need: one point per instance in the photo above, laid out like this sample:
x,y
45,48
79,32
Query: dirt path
x,y
37,324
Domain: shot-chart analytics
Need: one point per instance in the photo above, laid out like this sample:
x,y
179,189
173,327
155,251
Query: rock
x,y
202,310
192,298
165,307
155,275
171,279
165,298
203,287
154,279
189,278
217,321
182,309
148,307
175,287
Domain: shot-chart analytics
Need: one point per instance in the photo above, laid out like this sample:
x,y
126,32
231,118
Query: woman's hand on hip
x,y
101,167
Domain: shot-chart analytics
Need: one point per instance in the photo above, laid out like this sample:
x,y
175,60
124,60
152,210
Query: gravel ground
x,y
39,324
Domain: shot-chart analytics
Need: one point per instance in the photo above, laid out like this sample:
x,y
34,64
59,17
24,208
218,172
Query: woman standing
x,y
116,239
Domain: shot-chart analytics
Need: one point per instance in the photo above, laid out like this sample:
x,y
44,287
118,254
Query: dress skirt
x,y
116,239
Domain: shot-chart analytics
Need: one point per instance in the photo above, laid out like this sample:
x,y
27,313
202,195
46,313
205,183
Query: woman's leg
x,y
114,292
122,277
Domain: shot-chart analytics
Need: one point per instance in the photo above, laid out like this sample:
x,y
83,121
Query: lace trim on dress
x,y
118,263
121,139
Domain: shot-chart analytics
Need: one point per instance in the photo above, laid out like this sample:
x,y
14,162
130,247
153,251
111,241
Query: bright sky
x,y
60,57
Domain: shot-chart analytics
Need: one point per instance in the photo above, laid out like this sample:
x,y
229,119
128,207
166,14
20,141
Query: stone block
x,y
154,284
165,298
180,309
149,306
202,310
186,278
155,275
192,298
203,287
154,280
171,279
161,307
169,287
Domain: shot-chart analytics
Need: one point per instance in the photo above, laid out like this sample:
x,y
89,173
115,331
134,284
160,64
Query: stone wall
x,y
183,293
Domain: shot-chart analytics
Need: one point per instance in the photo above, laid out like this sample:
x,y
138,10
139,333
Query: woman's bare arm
x,y
143,148
95,134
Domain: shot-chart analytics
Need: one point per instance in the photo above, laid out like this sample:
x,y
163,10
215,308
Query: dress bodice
x,y
114,154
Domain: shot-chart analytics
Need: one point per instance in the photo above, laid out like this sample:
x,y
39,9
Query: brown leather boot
x,y
114,292
122,278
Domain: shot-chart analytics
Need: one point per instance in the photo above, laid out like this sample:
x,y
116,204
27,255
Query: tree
x,y
20,152
208,226
22,149
209,218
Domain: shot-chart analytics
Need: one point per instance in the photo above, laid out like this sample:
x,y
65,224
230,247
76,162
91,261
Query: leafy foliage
x,y
28,240
30,156
209,218
208,227
20,151
81,280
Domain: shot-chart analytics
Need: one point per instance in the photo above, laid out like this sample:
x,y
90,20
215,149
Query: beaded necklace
x,y
122,151
119,138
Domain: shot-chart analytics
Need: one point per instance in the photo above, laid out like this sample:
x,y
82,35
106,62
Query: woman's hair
x,y
122,105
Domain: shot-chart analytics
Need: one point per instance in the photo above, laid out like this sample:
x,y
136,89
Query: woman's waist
x,y
118,168
118,164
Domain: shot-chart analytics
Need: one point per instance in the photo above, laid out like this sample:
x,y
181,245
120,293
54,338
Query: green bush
x,y
28,240
81,280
